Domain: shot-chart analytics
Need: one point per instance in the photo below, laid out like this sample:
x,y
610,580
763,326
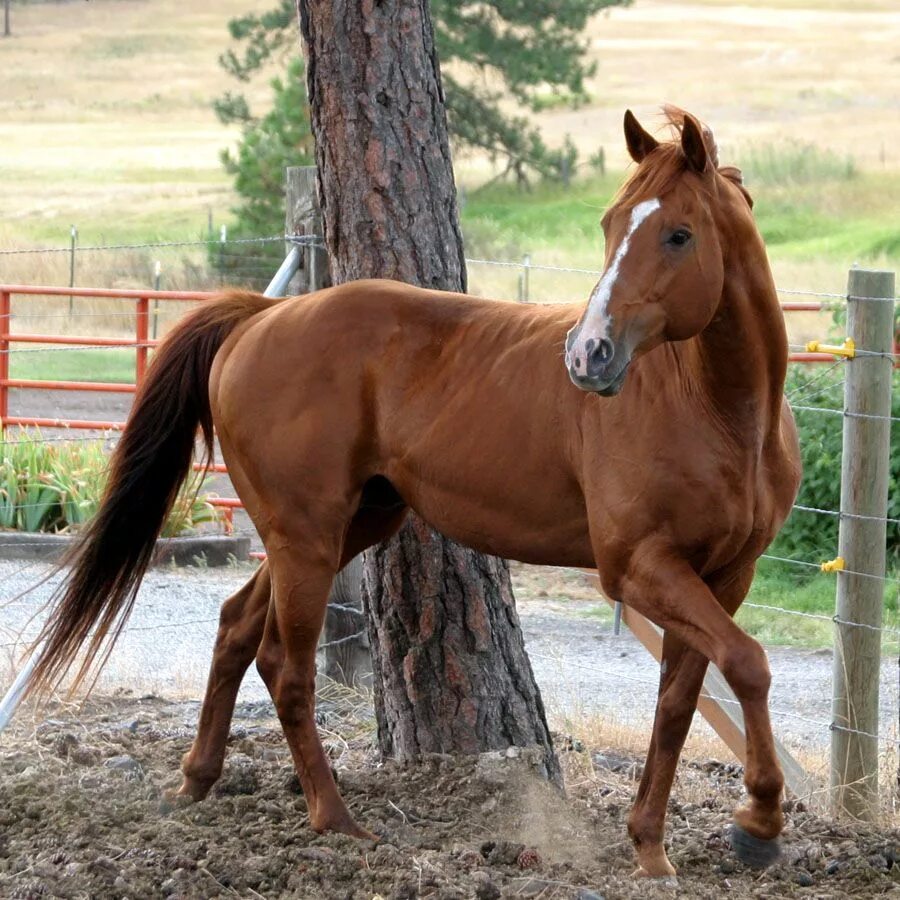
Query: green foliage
x,y
779,585
813,536
58,487
532,53
282,137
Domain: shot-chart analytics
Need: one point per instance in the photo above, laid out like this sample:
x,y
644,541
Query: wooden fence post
x,y
304,217
864,492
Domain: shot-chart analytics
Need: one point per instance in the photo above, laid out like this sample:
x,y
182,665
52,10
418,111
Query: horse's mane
x,y
665,164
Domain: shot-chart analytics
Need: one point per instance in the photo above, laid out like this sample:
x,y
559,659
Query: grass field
x,y
108,124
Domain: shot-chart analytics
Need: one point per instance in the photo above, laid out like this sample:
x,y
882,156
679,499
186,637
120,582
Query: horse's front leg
x,y
241,625
682,671
663,587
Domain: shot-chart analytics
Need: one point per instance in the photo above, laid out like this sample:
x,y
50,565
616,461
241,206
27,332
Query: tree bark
x,y
450,669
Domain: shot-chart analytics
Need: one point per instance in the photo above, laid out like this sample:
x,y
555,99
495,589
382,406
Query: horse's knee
x,y
268,664
746,669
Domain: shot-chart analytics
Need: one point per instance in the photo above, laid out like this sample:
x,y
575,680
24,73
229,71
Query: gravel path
x,y
581,667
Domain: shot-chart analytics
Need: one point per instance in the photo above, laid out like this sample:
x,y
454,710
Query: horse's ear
x,y
639,142
692,144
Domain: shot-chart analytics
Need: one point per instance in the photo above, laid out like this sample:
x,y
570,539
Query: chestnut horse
x,y
645,434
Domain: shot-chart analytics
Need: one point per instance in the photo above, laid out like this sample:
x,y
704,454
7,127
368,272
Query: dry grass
x,y
704,745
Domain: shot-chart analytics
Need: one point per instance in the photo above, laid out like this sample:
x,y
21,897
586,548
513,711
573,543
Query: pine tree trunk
x,y
450,669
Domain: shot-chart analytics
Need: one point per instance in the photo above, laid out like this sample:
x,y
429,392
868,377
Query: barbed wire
x,y
845,515
842,412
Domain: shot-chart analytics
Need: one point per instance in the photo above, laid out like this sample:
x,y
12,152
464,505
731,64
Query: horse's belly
x,y
529,523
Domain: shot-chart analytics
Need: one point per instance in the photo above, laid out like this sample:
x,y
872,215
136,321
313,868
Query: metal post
x,y
157,275
6,31
223,237
864,492
5,330
303,217
526,269
142,335
73,234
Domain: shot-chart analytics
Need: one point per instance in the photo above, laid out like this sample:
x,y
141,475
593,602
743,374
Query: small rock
x,y
877,861
405,890
513,752
239,777
320,854
471,858
125,764
618,763
832,867
485,889
727,867
804,879
533,887
64,744
585,894
84,756
501,853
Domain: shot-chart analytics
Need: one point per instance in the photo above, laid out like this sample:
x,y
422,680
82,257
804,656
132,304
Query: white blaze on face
x,y
595,323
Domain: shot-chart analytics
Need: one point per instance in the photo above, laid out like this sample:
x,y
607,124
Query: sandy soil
x,y
85,812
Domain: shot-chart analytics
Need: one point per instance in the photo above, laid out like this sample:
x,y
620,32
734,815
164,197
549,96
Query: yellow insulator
x,y
848,348
833,565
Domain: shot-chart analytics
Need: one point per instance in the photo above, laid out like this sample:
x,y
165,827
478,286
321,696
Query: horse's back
x,y
461,403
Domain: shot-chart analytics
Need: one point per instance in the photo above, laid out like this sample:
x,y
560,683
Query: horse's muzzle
x,y
604,384
595,365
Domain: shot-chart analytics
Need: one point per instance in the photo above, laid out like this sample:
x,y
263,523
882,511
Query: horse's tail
x,y
147,468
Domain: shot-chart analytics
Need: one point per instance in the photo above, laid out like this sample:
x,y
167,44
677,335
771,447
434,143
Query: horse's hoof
x,y
192,789
753,851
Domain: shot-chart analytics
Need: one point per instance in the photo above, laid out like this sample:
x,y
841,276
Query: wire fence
x,y
209,264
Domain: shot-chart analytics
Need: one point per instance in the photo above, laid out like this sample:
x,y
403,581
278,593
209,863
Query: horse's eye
x,y
680,237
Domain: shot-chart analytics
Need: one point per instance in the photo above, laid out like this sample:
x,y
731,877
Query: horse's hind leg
x,y
287,662
241,624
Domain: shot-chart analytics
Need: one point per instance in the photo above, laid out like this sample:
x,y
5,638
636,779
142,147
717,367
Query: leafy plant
x,y
58,487
814,536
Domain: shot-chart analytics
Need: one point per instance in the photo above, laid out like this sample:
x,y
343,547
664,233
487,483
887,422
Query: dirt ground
x,y
84,812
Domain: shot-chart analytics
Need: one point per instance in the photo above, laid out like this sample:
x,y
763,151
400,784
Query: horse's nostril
x,y
599,355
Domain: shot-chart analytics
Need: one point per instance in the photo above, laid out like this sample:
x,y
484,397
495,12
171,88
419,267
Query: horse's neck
x,y
740,359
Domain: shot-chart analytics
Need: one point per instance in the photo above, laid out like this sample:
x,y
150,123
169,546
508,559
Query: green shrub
x,y
813,536
58,487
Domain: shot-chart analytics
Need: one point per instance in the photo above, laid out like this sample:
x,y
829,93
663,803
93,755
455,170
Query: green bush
x,y
813,536
58,487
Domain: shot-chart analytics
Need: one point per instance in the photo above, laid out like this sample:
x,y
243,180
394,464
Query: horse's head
x,y
665,253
